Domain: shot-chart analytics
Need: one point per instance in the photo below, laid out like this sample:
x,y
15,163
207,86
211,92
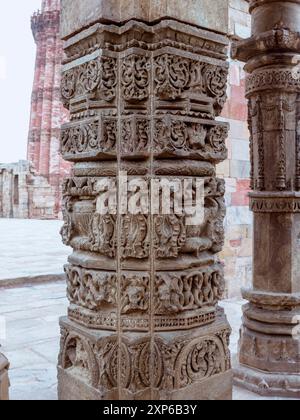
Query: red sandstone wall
x,y
47,113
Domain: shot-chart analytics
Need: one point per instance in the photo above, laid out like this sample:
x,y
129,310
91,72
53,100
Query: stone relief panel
x,y
179,292
96,78
175,365
180,77
135,78
90,139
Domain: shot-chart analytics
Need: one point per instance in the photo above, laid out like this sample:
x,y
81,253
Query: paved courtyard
x,y
30,248
29,314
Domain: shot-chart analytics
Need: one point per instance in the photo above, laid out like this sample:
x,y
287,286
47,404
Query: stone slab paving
x,y
30,248
32,338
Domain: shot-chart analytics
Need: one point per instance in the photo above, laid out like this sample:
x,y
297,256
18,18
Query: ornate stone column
x,y
143,321
4,381
269,345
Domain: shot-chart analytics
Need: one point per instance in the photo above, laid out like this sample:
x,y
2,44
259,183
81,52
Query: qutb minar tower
x,y
47,112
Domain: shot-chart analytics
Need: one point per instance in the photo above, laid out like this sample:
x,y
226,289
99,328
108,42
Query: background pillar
x,y
143,321
270,342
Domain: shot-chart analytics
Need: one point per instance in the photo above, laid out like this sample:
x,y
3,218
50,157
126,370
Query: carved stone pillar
x,y
270,345
143,321
4,381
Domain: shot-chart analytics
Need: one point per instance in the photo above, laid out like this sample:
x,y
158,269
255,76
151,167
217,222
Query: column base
x,y
218,388
4,380
267,384
190,365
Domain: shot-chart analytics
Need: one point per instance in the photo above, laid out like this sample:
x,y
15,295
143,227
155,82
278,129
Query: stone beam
x,y
270,341
143,95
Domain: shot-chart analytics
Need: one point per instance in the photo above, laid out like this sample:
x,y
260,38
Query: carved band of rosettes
x,y
270,79
85,229
182,300
173,366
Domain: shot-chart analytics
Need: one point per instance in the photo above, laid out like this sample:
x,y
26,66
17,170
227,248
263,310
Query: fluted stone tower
x,y
47,113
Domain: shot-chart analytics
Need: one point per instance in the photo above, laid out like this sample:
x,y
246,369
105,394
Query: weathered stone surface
x,y
270,340
204,13
4,381
143,321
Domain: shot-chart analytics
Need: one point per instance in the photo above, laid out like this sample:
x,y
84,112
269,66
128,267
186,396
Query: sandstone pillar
x,y
269,345
4,381
143,91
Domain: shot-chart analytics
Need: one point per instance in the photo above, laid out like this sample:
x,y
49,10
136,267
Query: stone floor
x,y
34,248
31,341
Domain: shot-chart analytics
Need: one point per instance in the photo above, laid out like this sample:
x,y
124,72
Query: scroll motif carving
x,y
135,78
135,241
175,75
172,76
174,365
96,76
177,137
261,147
89,137
102,237
91,289
176,293
271,78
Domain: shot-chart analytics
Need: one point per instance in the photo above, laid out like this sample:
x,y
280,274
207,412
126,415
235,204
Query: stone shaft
x,y
143,321
270,339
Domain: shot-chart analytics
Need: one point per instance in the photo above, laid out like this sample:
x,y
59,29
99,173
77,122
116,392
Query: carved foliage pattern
x,y
135,78
89,137
90,289
178,292
174,75
135,136
96,76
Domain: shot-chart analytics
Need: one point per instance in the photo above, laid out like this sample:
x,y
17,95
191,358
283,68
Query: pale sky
x,y
17,57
